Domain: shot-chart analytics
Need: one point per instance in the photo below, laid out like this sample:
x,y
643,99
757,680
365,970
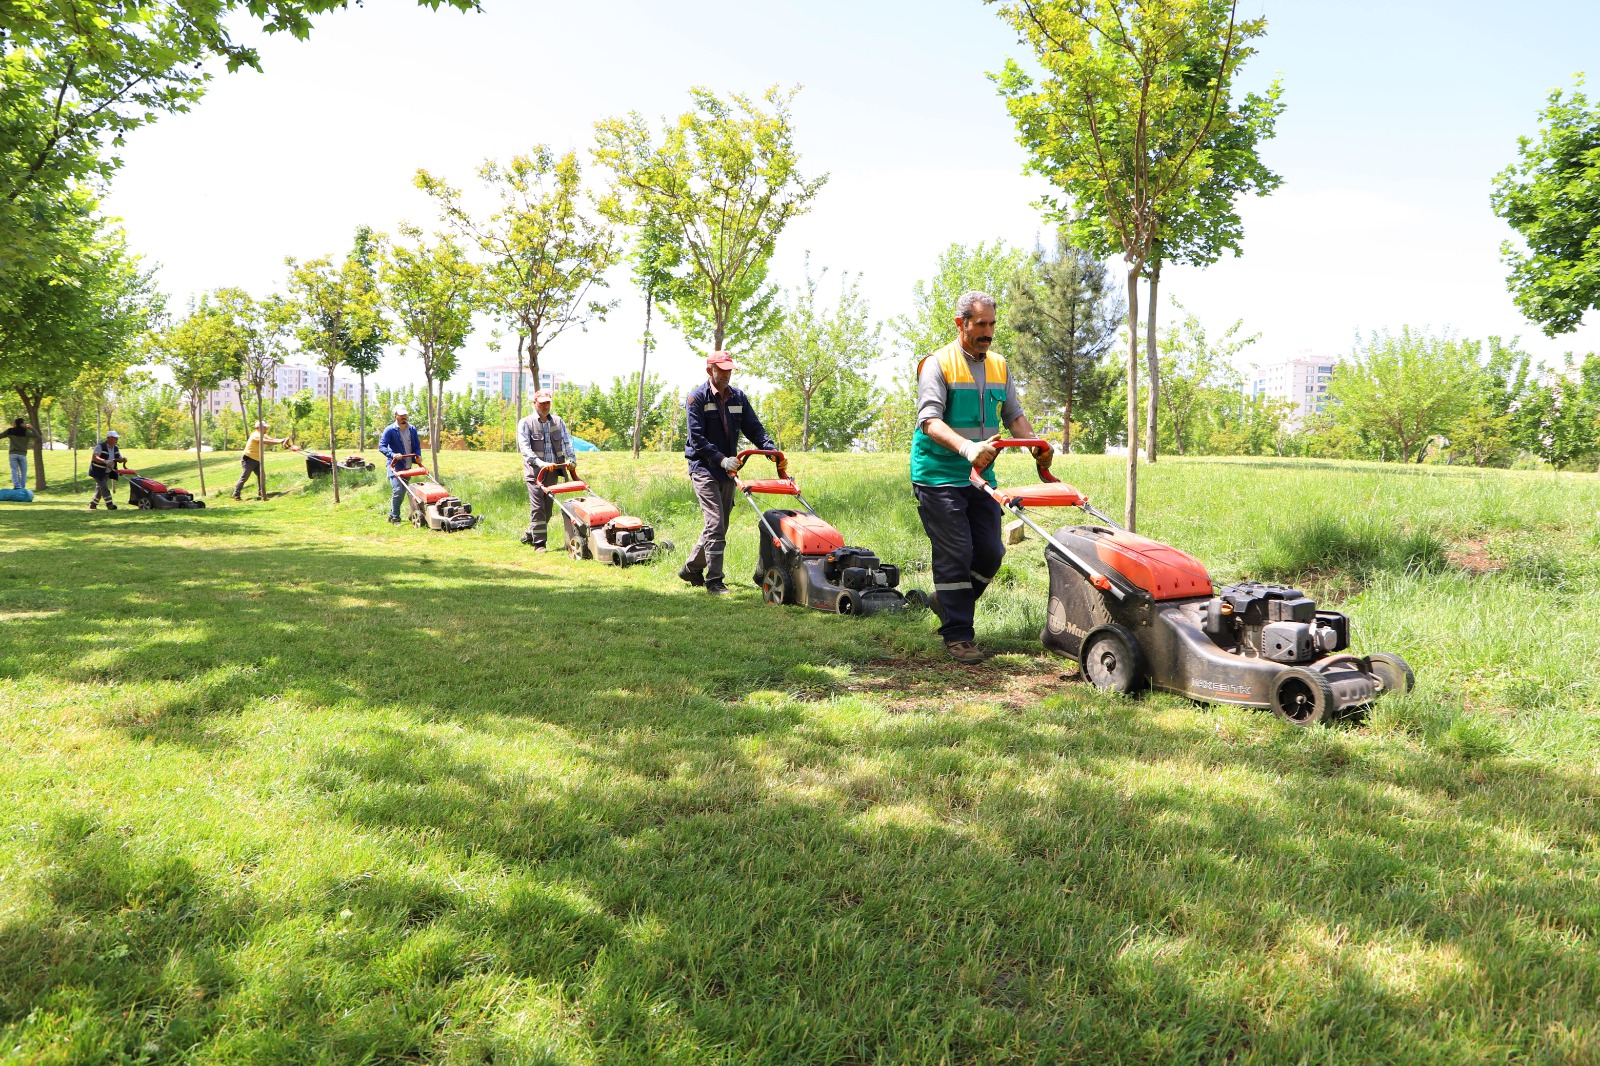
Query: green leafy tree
x,y
1065,317
604,415
545,255
366,357
90,311
1565,408
1199,374
433,291
656,261
1551,197
257,330
818,352
1122,123
722,182
336,306
992,268
1404,389
200,350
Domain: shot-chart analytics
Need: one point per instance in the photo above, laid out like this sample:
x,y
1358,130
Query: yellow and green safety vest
x,y
972,413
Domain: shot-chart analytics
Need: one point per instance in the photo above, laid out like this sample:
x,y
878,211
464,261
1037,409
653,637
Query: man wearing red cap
x,y
543,439
718,414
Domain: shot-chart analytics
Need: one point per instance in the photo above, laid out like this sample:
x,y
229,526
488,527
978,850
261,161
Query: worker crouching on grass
x,y
103,463
543,439
718,413
399,444
964,397
251,460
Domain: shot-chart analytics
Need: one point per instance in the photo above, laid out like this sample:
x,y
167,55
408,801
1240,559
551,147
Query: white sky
x,y
1399,113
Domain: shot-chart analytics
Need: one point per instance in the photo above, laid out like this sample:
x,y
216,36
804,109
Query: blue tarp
x,y
16,495
581,445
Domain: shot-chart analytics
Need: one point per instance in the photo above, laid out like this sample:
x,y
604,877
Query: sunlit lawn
x,y
283,783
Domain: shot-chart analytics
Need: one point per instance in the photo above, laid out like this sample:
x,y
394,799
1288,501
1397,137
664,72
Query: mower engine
x,y
449,514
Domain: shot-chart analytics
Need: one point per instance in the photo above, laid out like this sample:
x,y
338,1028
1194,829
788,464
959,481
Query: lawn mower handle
x,y
1032,444
570,468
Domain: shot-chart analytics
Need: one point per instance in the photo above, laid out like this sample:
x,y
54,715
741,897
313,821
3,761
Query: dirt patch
x,y
1015,682
1473,557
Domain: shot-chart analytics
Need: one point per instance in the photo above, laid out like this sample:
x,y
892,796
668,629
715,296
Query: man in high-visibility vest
x,y
965,396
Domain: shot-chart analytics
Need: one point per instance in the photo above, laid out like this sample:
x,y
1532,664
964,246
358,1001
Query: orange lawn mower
x,y
596,528
805,560
1137,613
432,505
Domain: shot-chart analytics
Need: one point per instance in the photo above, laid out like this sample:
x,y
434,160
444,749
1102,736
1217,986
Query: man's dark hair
x,y
19,421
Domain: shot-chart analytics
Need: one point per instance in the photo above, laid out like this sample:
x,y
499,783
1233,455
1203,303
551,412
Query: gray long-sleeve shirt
x,y
545,439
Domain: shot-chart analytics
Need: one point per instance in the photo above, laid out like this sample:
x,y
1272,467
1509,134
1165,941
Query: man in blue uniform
x,y
718,414
399,444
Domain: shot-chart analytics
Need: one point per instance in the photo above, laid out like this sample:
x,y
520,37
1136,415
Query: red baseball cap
x,y
542,396
722,359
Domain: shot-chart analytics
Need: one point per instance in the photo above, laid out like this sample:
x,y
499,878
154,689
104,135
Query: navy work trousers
x,y
963,524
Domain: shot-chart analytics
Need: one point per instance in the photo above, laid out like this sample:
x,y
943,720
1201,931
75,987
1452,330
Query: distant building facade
x,y
502,381
1302,381
288,380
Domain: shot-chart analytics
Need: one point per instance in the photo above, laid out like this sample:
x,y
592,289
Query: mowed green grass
x,y
285,784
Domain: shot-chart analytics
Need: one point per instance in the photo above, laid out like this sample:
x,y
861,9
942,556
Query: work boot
x,y
110,506
238,497
540,548
95,506
394,519
933,605
693,577
965,652
717,588
526,538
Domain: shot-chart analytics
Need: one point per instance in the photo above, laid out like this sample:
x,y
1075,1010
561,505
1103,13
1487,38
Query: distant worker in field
x,y
400,443
103,463
718,413
19,433
964,397
251,460
544,441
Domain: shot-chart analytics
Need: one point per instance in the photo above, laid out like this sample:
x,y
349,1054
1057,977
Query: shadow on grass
x,y
689,866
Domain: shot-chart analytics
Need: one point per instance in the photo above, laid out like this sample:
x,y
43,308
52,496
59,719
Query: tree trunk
x,y
1131,511
1066,408
644,361
533,366
361,439
433,432
333,439
805,425
517,386
1152,360
199,463
261,464
31,406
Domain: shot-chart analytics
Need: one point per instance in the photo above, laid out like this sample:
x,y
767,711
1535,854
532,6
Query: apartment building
x,y
1302,381
288,380
502,381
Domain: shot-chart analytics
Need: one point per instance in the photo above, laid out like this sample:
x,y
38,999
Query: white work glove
x,y
730,464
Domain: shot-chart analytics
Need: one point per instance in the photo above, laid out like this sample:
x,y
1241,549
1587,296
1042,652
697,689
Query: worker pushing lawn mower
x,y
1137,613
596,528
805,560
